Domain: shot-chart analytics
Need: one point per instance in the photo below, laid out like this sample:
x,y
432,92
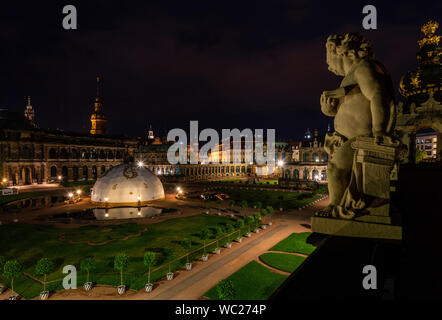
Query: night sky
x,y
228,64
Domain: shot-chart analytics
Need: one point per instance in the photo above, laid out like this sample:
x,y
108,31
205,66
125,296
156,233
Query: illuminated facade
x,y
423,96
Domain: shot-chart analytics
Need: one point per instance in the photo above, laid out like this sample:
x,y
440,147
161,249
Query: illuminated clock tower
x,y
98,119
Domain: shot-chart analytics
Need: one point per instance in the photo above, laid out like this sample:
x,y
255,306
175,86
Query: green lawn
x,y
296,242
13,197
252,282
282,261
290,200
28,243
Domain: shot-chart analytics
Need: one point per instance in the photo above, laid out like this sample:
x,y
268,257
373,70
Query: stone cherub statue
x,y
363,107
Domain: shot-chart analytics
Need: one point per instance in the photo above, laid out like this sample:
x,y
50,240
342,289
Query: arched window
x,y
85,173
75,173
93,154
75,154
84,154
94,172
118,156
324,157
103,169
102,155
323,175
53,171
296,174
52,153
26,153
110,154
306,157
64,172
305,174
315,157
287,173
64,154
315,175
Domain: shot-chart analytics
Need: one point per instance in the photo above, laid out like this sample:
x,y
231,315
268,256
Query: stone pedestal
x,y
374,167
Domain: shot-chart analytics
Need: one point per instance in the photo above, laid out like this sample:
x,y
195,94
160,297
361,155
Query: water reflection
x,y
125,213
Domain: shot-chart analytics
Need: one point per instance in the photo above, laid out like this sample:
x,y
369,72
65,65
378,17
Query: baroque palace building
x,y
304,161
31,155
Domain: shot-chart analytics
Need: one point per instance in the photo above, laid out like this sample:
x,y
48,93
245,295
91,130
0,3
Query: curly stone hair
x,y
356,45
351,44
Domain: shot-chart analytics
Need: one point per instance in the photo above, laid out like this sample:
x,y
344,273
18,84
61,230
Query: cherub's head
x,y
349,45
355,46
334,60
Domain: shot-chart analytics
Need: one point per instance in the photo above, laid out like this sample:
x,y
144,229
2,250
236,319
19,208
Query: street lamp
x,y
79,191
140,164
70,194
280,163
4,180
59,177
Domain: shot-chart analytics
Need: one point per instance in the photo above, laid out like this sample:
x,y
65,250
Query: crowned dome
x,y
127,184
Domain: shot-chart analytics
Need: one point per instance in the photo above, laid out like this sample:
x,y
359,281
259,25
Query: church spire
x,y
98,119
29,112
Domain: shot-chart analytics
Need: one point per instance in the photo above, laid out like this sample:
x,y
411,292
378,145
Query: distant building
x,y
98,119
29,112
428,143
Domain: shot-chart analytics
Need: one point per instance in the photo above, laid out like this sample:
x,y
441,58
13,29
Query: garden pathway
x,y
191,285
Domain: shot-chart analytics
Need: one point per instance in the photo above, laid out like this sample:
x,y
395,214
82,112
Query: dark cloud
x,y
258,64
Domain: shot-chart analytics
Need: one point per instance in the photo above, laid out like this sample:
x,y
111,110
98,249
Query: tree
x,y
229,230
244,204
270,210
420,155
264,213
249,221
43,267
218,233
239,224
225,290
280,198
88,265
12,270
150,258
2,262
231,203
257,218
120,263
204,235
187,245
258,205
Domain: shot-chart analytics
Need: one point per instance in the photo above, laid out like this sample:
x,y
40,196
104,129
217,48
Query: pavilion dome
x,y
127,184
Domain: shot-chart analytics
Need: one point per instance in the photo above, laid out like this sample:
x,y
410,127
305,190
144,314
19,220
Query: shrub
x,y
258,205
225,290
